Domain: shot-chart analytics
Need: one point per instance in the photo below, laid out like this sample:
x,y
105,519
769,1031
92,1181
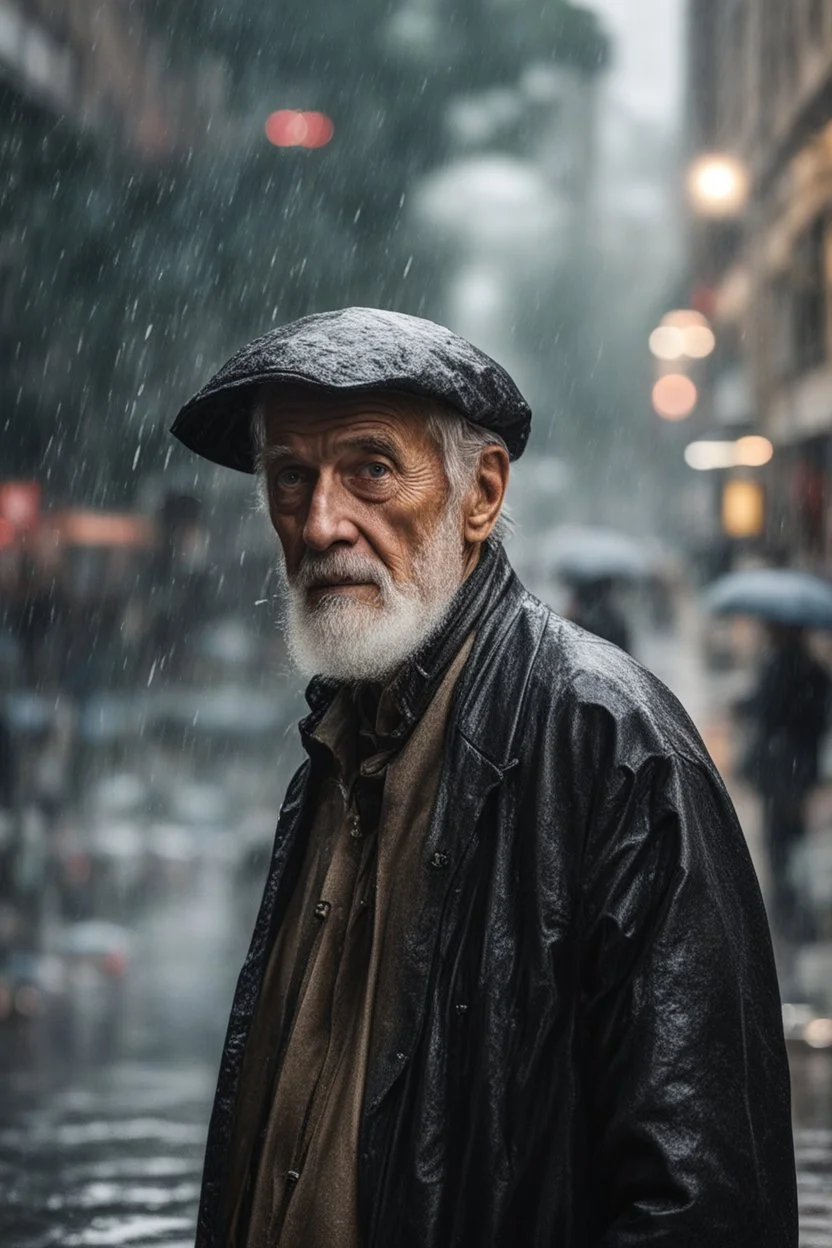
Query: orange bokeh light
x,y
674,396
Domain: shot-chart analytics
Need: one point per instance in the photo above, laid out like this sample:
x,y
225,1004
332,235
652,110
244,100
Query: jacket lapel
x,y
477,759
405,969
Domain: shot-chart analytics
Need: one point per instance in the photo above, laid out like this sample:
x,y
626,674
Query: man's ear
x,y
485,498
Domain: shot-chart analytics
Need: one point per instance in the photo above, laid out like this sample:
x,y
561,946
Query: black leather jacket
x,y
586,1047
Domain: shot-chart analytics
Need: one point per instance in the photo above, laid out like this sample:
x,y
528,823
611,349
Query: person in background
x,y
788,715
595,609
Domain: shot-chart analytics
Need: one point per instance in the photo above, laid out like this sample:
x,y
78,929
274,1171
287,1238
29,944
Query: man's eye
x,y
288,477
375,471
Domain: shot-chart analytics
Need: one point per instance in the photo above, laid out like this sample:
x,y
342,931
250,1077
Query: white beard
x,y
349,640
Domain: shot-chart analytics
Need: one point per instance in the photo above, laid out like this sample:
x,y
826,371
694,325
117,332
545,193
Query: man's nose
x,y
329,519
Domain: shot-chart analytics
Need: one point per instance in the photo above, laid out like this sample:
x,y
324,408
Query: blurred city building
x,y
93,62
759,194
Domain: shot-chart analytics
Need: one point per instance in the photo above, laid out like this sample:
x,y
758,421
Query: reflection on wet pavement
x,y
812,1108
101,1137
814,1157
102,1128
114,1160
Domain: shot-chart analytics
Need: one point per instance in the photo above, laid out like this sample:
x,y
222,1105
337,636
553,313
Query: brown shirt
x,y
319,996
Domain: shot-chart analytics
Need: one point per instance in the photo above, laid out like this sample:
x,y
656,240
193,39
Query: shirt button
x,y
322,910
292,1177
355,828
439,860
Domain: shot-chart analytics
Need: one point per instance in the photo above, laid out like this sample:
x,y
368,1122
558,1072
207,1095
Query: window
x,y
779,357
789,45
814,19
809,293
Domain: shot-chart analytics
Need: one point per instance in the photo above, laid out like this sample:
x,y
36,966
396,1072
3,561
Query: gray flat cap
x,y
352,350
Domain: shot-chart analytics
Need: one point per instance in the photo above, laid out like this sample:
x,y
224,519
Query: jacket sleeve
x,y
684,1067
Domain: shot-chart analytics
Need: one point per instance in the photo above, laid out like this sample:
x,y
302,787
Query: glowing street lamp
x,y
718,185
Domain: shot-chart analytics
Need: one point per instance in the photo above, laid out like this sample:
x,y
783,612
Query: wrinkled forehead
x,y
297,411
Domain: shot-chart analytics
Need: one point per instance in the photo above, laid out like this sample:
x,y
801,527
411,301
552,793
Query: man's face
x,y
358,496
358,474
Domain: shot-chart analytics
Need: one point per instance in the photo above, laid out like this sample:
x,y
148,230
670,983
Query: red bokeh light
x,y
289,127
319,129
703,299
20,503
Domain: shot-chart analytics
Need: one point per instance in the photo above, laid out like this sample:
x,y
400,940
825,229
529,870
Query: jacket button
x,y
439,860
462,1008
292,1177
322,910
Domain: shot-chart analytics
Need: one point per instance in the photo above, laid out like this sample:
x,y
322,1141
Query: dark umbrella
x,y
586,553
779,595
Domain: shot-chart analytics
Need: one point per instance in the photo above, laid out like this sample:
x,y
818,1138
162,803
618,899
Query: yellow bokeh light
x,y
699,341
743,509
667,343
684,318
753,451
704,456
674,396
749,452
818,1033
718,185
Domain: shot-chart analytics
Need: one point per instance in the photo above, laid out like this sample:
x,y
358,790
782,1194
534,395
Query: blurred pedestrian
x,y
594,608
788,712
8,763
511,979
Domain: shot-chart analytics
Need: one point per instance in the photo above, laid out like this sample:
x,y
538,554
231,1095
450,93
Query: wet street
x,y
103,1116
101,1126
102,1130
812,1101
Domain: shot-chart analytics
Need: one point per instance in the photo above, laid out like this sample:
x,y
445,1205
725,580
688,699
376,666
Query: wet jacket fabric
x,y
585,1046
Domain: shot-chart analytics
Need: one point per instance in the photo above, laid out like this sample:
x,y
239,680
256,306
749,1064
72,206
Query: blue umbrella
x,y
779,595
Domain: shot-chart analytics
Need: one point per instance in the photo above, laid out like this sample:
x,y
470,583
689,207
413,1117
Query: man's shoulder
x,y
583,683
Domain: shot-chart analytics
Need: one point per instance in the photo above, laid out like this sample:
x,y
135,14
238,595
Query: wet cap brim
x,y
354,350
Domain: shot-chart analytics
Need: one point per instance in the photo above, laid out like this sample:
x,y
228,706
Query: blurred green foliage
x,y
124,279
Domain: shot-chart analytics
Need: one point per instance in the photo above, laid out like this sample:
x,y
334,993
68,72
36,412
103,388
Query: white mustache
x,y
340,567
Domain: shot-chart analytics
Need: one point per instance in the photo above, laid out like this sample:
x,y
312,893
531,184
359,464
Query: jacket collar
x,y
413,686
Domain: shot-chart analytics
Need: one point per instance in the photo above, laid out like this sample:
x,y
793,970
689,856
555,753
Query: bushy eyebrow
x,y
269,455
374,444
371,444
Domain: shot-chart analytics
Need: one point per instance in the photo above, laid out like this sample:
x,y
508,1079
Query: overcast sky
x,y
646,74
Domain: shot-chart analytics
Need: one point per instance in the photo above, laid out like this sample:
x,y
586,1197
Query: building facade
x,y
760,93
92,61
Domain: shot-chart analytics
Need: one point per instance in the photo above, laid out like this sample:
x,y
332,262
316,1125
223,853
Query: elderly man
x,y
511,981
